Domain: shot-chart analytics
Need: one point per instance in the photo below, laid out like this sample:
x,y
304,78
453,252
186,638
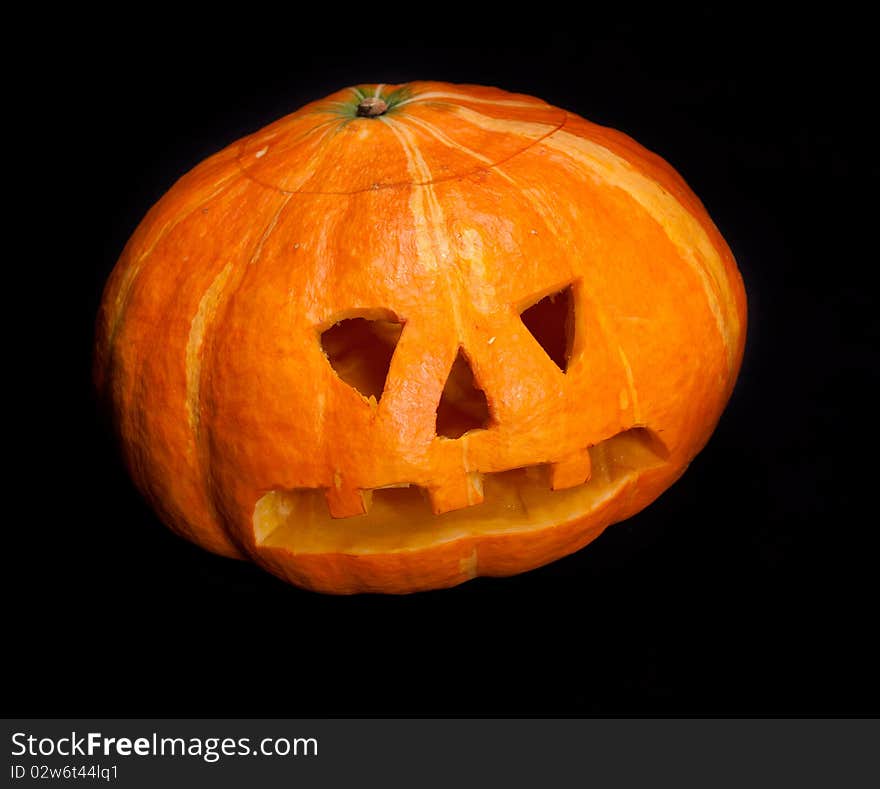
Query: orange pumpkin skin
x,y
449,213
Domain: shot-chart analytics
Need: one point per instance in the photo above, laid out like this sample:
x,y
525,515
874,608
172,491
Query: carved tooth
x,y
347,502
457,493
573,470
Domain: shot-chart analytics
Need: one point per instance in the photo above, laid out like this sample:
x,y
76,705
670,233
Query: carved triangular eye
x,y
551,322
463,404
360,351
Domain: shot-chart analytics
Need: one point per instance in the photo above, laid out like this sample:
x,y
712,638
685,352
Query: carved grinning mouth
x,y
401,518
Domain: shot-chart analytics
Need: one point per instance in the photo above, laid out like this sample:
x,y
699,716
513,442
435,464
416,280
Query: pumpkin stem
x,y
371,107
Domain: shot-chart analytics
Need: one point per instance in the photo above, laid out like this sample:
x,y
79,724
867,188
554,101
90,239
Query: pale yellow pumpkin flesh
x,y
401,518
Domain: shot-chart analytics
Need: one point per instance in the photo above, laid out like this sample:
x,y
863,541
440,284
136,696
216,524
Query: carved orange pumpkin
x,y
410,335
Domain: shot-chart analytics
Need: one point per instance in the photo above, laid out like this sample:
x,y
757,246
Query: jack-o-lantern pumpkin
x,y
410,335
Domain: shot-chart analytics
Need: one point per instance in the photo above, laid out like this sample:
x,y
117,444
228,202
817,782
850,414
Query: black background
x,y
748,588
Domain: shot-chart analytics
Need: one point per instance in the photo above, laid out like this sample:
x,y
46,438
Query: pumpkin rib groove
x,y
445,139
422,98
310,171
242,146
430,213
140,369
135,267
715,283
227,293
508,126
195,344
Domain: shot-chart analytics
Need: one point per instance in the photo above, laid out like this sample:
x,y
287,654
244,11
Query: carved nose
x,y
463,405
462,408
